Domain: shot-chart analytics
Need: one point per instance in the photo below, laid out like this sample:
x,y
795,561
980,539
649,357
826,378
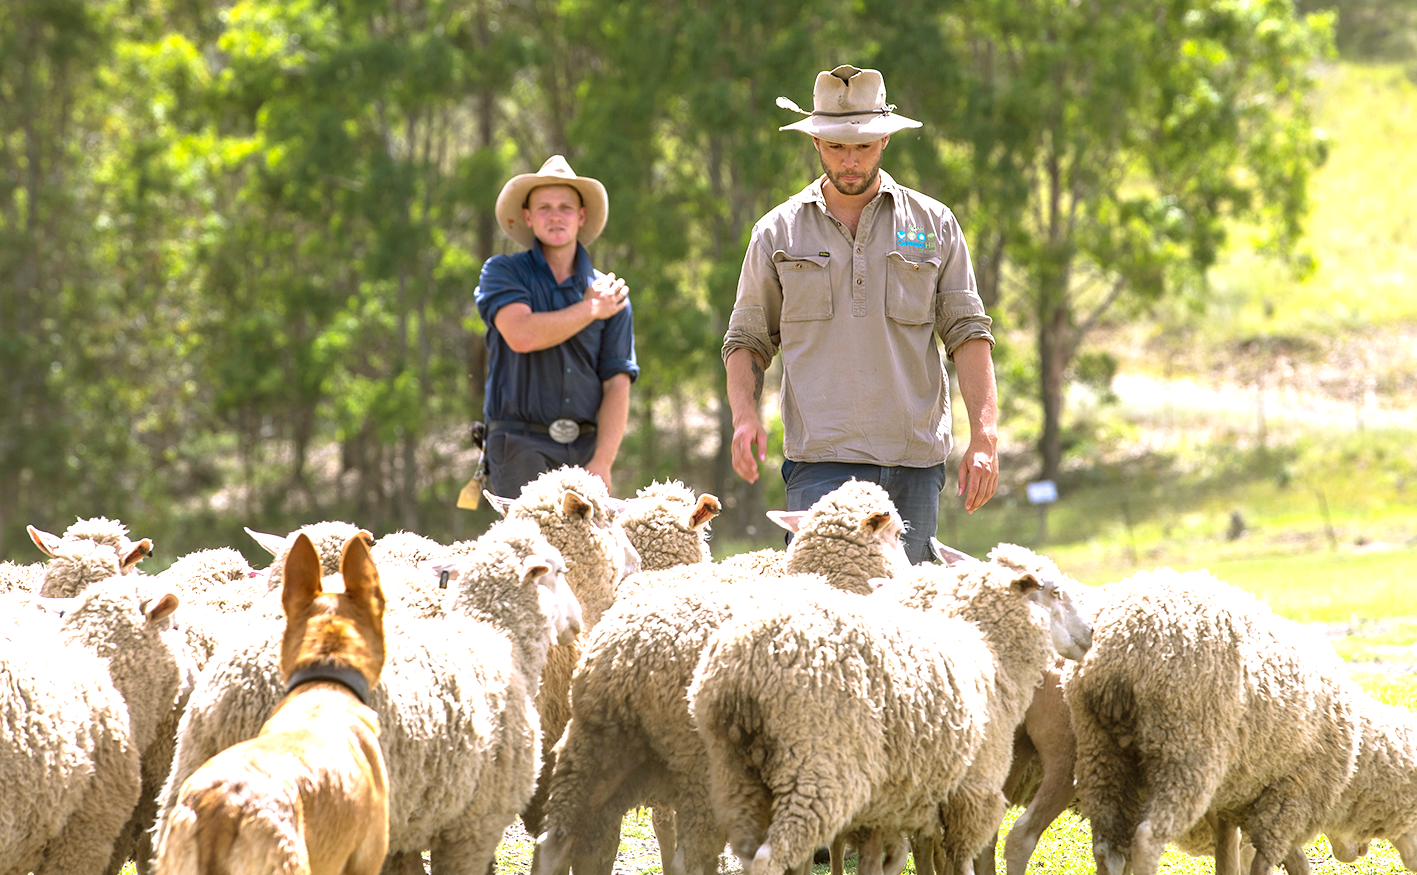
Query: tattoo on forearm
x,y
757,382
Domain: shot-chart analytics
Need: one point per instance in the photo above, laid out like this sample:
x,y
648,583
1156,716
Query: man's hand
x,y
606,296
600,470
978,472
746,438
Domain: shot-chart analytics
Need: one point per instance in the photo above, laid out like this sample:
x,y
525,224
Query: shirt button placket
x,y
858,263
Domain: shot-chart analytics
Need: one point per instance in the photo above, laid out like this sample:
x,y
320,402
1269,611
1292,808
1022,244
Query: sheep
x,y
628,695
99,530
573,509
407,548
18,577
220,578
668,526
843,534
1196,699
1381,799
460,736
77,715
868,714
1045,750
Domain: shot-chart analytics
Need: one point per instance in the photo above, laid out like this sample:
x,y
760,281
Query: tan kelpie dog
x,y
310,793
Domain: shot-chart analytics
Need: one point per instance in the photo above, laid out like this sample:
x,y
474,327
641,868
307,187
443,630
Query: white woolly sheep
x,y
574,511
459,733
631,738
99,530
220,578
866,714
1196,699
847,534
1045,750
668,526
78,713
1380,802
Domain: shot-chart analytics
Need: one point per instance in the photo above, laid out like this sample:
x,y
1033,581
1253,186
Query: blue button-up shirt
x,y
563,382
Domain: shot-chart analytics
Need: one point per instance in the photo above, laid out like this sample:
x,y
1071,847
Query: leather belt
x,y
562,430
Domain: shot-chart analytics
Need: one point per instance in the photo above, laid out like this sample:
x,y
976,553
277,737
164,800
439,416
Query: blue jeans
x,y
515,458
914,491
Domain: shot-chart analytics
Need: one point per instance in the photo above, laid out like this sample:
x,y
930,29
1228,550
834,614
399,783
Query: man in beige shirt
x,y
853,278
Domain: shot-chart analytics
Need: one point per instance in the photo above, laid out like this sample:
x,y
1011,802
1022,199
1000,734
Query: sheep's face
x,y
558,603
1068,624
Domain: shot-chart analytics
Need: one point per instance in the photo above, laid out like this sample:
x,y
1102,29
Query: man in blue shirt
x,y
560,334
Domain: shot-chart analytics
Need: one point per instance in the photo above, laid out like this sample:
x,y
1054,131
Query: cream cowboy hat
x,y
848,106
554,172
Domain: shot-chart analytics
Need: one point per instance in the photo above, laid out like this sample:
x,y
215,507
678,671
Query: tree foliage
x,y
239,241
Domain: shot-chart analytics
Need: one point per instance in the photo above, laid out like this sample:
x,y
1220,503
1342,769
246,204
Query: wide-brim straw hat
x,y
848,106
556,171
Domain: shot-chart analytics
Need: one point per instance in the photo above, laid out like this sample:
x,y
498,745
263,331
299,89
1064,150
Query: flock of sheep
x,y
829,694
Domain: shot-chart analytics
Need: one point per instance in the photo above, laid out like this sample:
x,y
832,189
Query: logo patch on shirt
x,y
916,238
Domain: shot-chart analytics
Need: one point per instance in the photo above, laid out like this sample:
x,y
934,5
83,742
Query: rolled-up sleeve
x,y
497,287
617,347
754,321
959,311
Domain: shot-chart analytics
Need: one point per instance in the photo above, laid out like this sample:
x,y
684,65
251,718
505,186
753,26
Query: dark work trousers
x,y
517,457
914,491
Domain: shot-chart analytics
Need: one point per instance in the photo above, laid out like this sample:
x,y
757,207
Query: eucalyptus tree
x,y
680,120
1110,148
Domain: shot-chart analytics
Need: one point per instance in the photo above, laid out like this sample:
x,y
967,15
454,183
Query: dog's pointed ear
x,y
788,519
706,509
302,576
273,543
499,504
361,576
46,542
136,553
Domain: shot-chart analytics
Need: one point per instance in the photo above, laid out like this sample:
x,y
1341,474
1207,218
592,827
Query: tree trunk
x,y
1054,352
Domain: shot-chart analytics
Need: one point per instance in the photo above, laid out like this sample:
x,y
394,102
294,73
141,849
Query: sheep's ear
x,y
302,576
534,568
1026,583
361,577
948,555
573,505
878,522
707,508
273,544
499,504
136,553
46,542
788,519
162,608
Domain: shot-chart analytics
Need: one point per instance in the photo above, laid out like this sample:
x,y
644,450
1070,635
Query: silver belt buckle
x,y
563,431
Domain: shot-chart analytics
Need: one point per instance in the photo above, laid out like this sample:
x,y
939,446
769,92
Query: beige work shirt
x,y
856,320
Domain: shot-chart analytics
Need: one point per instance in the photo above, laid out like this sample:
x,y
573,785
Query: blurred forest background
x,y
239,242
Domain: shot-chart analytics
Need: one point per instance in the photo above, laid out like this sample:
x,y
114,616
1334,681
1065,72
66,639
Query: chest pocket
x,y
806,286
910,292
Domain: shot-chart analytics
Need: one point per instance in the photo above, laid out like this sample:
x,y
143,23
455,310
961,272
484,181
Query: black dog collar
x,y
329,671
